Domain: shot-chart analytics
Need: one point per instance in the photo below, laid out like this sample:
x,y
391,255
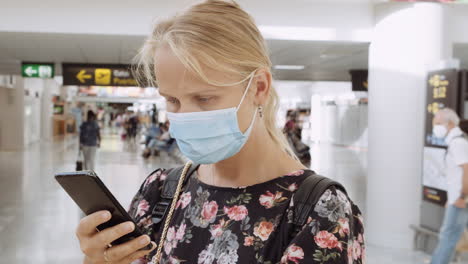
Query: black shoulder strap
x,y
168,191
308,194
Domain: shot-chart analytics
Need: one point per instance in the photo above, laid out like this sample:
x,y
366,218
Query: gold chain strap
x,y
157,257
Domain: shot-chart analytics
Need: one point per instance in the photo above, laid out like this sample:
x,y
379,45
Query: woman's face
x,y
185,92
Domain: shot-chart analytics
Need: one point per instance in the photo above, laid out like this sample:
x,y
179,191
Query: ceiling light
x,y
289,67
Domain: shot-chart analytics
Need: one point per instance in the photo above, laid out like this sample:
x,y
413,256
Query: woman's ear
x,y
263,83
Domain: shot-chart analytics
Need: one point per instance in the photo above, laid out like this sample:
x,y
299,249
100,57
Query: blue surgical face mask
x,y
210,136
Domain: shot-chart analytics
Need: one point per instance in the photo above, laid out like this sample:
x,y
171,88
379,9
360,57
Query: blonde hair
x,y
216,34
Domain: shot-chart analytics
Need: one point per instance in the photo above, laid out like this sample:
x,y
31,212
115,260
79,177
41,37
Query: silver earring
x,y
260,110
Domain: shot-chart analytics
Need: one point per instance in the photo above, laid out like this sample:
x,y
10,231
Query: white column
x,y
12,116
408,38
50,86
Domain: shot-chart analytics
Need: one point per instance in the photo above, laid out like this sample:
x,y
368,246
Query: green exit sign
x,y
38,70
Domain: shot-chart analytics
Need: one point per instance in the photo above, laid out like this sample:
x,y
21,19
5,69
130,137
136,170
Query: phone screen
x,y
91,195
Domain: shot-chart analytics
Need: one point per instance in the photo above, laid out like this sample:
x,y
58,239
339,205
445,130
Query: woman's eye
x,y
204,99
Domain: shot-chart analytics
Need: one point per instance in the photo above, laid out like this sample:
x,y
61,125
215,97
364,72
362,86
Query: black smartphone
x,y
91,195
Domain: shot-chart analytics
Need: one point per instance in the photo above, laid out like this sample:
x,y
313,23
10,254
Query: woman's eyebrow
x,y
192,93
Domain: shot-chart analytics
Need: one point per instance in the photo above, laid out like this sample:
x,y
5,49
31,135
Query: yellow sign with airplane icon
x,y
102,76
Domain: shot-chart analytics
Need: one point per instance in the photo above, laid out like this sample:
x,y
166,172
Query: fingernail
x,y
154,246
144,240
129,227
105,215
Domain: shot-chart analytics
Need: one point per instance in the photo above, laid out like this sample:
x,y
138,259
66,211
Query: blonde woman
x,y
211,64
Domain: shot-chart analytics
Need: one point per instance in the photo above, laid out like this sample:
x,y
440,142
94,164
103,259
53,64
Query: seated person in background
x,y
154,131
158,142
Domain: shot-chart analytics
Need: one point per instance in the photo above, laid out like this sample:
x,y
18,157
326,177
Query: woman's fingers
x,y
127,249
109,235
88,224
139,254
94,243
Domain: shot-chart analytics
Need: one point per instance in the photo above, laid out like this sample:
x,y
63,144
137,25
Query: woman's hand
x,y
94,244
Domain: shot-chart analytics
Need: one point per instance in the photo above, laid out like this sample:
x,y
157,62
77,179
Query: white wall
x,y
12,117
32,109
342,124
292,94
303,90
458,23
406,41
26,117
51,88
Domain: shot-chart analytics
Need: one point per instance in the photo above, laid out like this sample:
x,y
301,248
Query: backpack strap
x,y
169,187
308,195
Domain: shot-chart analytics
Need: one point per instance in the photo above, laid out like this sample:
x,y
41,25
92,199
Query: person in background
x,y
119,123
291,123
158,141
90,139
77,113
153,131
132,129
446,125
100,116
107,119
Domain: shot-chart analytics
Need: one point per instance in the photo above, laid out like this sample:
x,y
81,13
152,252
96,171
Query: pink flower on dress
x,y
236,213
248,241
344,226
340,246
360,238
141,260
350,252
173,260
180,232
168,247
184,200
171,240
293,253
152,178
361,219
142,208
210,209
269,200
163,176
296,173
324,239
293,187
356,250
263,230
171,233
146,222
216,230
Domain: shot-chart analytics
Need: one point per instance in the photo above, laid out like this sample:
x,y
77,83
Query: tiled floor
x,y
38,220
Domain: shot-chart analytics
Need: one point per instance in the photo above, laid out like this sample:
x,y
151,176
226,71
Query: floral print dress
x,y
253,224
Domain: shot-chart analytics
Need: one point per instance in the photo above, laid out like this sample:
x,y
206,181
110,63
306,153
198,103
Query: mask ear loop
x,y
243,97
246,90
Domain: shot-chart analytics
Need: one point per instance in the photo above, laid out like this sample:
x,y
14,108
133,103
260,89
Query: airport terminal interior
x,y
359,84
